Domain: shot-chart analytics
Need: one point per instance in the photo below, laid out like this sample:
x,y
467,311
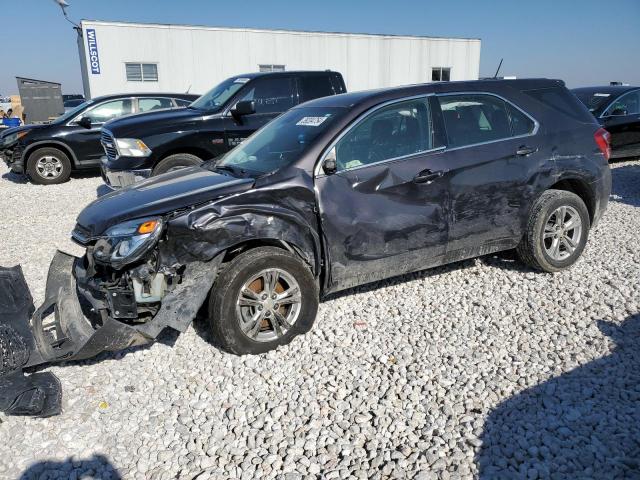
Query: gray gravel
x,y
482,368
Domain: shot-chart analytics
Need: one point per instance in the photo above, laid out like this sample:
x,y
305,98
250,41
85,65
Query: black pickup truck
x,y
158,142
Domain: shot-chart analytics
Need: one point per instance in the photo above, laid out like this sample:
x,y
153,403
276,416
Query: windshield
x,y
215,98
280,142
594,101
72,113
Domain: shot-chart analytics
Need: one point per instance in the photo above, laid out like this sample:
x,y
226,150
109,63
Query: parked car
x,y
158,142
335,193
49,153
617,109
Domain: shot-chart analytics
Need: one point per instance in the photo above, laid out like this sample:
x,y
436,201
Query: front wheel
x,y
556,232
48,166
262,299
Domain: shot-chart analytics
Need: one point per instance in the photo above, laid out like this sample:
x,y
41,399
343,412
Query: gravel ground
x,y
478,369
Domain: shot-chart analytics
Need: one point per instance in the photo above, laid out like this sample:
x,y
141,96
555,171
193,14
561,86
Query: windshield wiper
x,y
227,168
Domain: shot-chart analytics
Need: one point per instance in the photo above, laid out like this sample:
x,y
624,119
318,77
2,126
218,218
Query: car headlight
x,y
127,242
132,147
14,137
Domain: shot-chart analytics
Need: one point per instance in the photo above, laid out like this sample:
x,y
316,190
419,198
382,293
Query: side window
x,y
107,111
271,95
471,119
315,86
182,103
628,104
520,123
394,131
148,104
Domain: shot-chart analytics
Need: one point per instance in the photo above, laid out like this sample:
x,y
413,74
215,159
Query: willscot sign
x,y
92,44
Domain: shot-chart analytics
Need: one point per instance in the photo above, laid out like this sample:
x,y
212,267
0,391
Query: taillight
x,y
603,139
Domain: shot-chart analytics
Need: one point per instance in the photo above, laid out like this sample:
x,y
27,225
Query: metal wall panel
x,y
199,57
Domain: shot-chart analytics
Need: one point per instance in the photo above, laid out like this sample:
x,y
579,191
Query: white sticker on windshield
x,y
241,80
311,121
601,94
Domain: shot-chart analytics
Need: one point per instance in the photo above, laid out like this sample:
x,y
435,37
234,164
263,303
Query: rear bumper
x,y
121,178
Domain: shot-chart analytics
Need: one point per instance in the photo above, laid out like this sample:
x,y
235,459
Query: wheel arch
x,y
582,189
234,250
201,153
63,147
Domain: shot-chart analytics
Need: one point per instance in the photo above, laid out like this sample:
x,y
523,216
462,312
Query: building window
x,y
440,74
271,68
141,72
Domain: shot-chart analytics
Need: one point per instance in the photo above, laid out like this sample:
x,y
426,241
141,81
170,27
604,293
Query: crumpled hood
x,y
130,126
158,196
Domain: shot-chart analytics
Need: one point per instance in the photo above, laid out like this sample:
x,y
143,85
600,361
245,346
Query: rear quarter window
x,y
562,100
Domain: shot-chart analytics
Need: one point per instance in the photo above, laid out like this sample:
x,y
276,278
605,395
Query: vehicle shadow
x,y
97,467
22,179
582,424
15,178
626,184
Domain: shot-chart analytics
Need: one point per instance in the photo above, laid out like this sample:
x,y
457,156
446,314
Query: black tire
x,y
175,162
60,166
531,249
223,317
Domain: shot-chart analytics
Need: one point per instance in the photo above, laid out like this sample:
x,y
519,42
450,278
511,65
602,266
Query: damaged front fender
x,y
60,331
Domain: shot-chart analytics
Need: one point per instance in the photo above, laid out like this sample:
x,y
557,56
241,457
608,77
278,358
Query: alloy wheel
x,y
268,305
49,167
562,233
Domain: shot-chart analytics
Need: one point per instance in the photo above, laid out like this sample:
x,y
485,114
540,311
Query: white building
x,y
131,57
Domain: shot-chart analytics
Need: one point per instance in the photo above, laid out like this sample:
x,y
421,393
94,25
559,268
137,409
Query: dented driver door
x,y
383,210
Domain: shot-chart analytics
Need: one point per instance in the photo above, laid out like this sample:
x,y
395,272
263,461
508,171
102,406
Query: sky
x,y
586,42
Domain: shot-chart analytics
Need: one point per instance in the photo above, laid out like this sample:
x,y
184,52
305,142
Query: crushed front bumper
x,y
60,331
12,157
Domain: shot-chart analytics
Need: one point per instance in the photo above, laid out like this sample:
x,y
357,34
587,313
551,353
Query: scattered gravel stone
x,y
483,368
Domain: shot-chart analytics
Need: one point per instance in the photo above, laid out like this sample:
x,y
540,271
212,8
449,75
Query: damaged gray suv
x,y
335,193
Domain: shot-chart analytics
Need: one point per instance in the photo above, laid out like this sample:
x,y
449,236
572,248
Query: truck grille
x,y
109,144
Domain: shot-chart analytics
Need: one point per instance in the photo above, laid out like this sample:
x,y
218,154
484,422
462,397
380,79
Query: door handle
x,y
523,150
427,175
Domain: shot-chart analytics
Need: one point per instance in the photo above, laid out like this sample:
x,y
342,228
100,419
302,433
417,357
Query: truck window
x,y
270,94
315,86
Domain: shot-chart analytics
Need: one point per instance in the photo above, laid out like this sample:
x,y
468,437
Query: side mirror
x,y
330,164
245,107
84,122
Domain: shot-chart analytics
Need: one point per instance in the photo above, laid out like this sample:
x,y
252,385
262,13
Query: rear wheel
x,y
176,162
262,299
556,232
48,166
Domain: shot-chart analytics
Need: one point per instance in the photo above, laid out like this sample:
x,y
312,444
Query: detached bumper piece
x,y
59,330
39,394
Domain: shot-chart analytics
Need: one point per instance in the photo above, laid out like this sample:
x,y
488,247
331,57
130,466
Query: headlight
x,y
14,137
127,242
132,147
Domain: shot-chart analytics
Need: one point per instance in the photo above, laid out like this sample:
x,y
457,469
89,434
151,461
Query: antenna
x,y
498,70
189,88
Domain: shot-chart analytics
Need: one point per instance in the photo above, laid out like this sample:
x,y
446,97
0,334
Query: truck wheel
x,y
176,162
48,166
556,231
262,299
